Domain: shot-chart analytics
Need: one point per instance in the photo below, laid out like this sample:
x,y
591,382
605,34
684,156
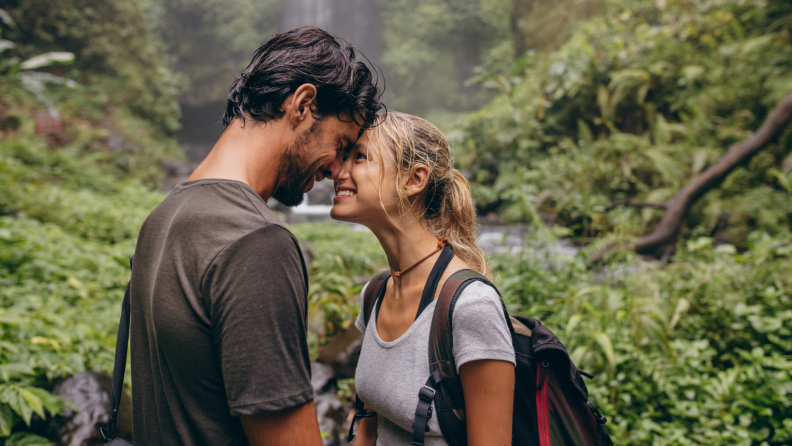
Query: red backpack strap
x,y
372,292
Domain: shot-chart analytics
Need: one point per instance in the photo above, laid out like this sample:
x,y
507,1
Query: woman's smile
x,y
344,193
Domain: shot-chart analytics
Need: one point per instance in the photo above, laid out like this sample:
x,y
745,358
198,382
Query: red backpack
x,y
551,405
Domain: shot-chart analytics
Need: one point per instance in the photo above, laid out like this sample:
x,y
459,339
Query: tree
x,y
662,239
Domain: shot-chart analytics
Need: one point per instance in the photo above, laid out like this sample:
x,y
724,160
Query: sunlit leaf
x,y
573,322
42,60
604,342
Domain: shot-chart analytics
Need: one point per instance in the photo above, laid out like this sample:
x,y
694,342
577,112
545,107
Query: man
x,y
218,335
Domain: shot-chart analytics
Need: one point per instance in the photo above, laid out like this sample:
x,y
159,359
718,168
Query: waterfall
x,y
307,12
357,21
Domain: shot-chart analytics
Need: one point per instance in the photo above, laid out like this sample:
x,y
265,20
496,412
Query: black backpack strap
x,y
372,292
434,279
119,367
360,412
423,412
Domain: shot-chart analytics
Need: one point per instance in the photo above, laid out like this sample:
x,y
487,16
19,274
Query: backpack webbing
x,y
445,389
372,292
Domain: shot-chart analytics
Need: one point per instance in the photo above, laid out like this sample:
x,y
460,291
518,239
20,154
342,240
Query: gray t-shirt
x,y
218,322
390,374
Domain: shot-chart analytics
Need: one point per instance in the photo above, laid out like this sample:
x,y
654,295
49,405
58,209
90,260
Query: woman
x,y
399,182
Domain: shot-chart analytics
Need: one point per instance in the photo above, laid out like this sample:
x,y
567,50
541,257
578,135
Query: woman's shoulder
x,y
478,302
479,326
479,291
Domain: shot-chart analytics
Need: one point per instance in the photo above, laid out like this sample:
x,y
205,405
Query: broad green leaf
x,y
52,403
584,132
7,420
15,370
12,395
578,355
27,439
573,322
682,306
604,342
5,44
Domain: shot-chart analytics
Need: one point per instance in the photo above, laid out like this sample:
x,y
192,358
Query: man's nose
x,y
331,169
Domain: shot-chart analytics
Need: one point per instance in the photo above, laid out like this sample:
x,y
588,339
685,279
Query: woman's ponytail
x,y
457,222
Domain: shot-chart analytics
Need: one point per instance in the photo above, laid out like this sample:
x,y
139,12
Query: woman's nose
x,y
343,168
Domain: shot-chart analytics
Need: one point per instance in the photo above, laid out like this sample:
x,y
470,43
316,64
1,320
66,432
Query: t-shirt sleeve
x,y
257,288
479,326
361,326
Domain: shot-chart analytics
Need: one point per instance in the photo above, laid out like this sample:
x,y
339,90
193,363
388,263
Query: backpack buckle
x,y
426,394
597,414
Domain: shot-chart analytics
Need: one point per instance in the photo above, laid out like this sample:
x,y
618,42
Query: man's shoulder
x,y
202,217
229,206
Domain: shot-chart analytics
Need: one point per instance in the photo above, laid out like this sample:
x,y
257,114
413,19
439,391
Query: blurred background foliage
x,y
636,103
572,105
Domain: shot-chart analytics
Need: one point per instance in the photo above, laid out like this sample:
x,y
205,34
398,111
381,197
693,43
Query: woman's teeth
x,y
345,193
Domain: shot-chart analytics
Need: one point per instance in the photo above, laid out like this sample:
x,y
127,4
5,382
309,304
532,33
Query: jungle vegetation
x,y
583,137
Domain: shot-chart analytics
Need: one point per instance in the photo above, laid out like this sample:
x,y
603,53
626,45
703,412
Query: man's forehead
x,y
351,130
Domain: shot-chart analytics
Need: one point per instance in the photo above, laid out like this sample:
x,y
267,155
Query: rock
x,y
90,392
308,253
322,193
47,124
330,411
321,374
118,144
175,172
342,352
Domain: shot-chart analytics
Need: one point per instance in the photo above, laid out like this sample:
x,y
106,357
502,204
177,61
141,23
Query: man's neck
x,y
248,154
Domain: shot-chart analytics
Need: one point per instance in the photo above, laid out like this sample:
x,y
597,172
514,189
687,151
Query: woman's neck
x,y
405,243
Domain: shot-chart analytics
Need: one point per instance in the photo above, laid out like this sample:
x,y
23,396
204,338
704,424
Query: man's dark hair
x,y
306,55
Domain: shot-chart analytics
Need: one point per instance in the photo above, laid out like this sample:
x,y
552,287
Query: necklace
x,y
441,242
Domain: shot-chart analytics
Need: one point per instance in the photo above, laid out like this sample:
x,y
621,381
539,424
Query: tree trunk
x,y
663,238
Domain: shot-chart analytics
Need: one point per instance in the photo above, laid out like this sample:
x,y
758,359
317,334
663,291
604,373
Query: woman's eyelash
x,y
360,156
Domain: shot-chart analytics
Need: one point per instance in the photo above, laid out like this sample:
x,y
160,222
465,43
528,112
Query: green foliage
x,y
68,229
545,26
698,352
638,101
117,59
212,41
69,215
27,439
634,105
432,46
344,259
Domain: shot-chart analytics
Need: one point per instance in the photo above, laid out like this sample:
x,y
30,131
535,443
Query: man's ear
x,y
298,105
417,179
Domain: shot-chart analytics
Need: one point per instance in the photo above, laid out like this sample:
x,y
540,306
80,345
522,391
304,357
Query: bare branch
x,y
666,231
637,204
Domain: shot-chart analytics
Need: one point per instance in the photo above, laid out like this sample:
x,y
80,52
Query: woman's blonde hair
x,y
447,202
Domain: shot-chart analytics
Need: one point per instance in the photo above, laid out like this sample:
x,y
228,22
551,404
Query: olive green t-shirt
x,y
218,316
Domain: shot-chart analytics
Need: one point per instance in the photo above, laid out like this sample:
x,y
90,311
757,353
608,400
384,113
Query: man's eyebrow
x,y
348,147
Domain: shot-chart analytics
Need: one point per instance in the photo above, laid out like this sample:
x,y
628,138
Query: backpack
x,y
551,405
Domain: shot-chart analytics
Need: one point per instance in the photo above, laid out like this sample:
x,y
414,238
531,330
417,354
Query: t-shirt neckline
x,y
385,344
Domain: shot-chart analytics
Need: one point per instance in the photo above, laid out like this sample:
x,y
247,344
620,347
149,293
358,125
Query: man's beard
x,y
296,170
